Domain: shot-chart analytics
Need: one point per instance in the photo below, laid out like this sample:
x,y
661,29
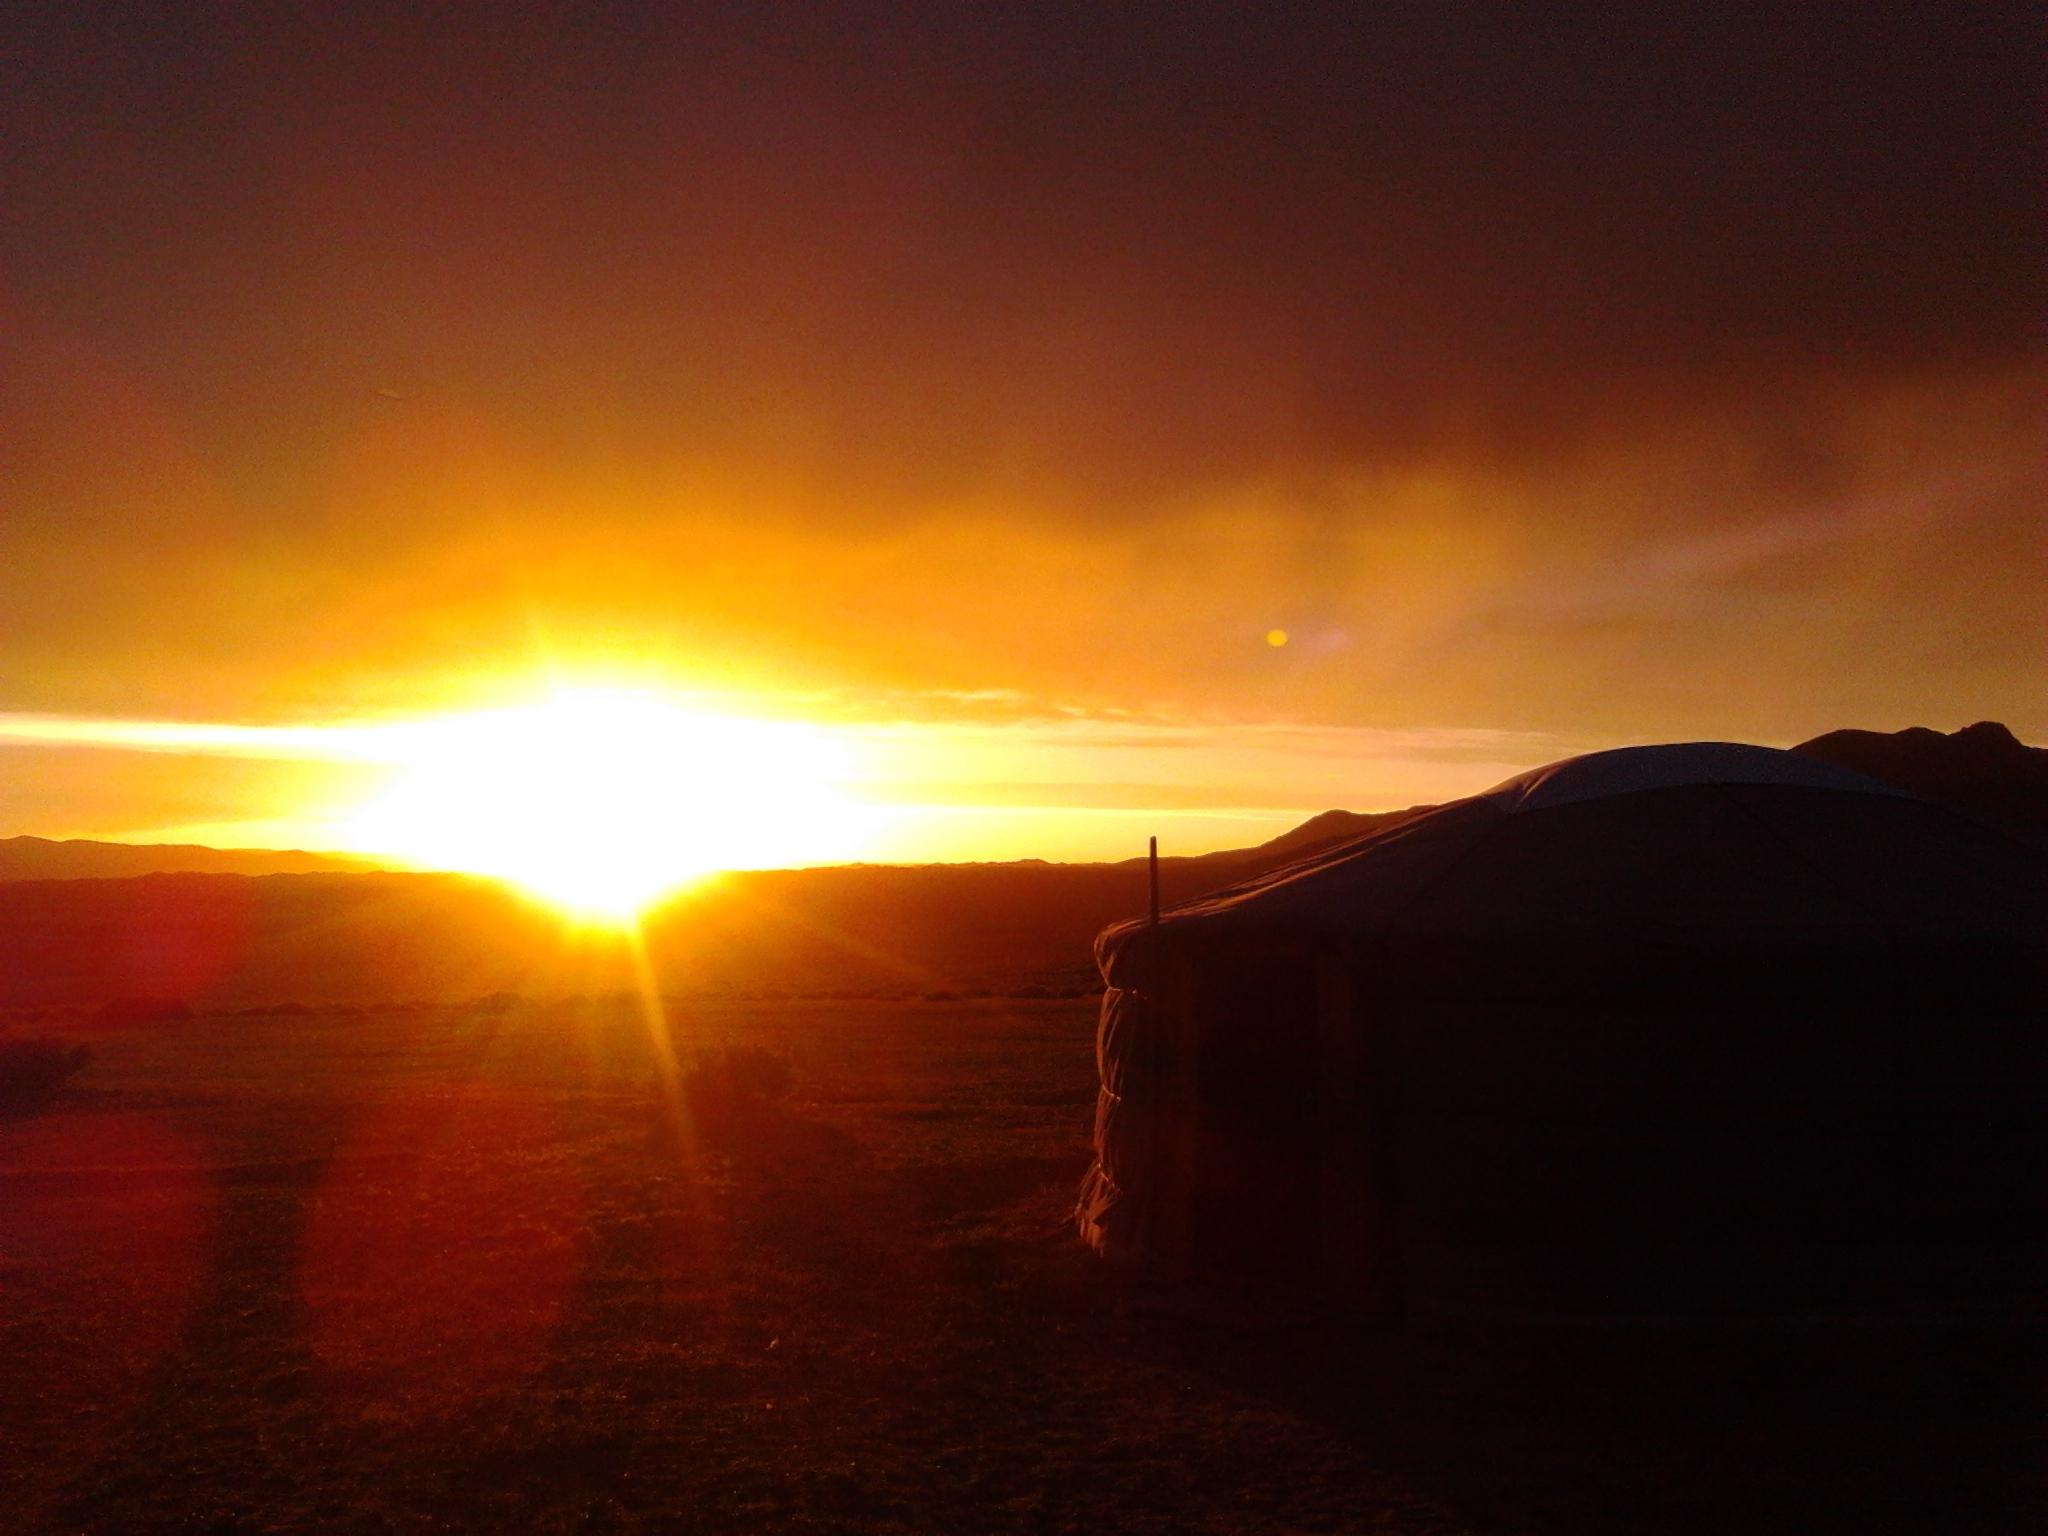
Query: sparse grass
x,y
438,1268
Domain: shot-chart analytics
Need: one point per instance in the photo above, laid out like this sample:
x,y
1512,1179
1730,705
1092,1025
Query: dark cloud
x,y
317,299
1119,242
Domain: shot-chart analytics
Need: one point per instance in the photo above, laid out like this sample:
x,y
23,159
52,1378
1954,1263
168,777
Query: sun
x,y
601,801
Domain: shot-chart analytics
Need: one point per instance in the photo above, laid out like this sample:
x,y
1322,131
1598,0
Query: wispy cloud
x,y
1025,754
337,742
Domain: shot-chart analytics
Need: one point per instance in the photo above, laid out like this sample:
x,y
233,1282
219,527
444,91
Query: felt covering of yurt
x,y
1698,1026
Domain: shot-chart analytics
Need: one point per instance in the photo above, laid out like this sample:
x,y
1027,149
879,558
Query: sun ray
x,y
602,800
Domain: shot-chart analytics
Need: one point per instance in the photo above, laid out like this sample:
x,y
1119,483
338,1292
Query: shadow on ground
x,y
861,1309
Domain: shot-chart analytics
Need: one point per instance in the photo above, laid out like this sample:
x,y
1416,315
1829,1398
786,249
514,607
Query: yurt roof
x,y
1635,770
1700,836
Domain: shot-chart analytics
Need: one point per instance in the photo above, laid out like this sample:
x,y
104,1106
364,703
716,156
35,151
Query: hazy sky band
x,y
1054,787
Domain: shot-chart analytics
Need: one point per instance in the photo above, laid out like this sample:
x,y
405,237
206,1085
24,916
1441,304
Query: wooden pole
x,y
1152,869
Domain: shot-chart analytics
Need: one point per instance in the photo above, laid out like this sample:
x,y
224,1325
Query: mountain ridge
x,y
1983,768
27,857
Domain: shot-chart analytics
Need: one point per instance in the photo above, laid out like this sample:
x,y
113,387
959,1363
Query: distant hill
x,y
42,858
1982,768
197,928
1326,829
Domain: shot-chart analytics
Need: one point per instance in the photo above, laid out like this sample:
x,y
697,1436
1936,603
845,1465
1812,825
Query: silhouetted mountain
x,y
1982,768
1323,830
333,935
41,858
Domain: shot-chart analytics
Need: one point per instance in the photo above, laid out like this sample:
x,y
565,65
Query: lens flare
x,y
604,800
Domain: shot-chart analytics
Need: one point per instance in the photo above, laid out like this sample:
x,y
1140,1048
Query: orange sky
x,y
995,380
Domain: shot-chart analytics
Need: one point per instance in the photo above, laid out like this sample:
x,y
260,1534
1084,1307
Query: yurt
x,y
1698,1026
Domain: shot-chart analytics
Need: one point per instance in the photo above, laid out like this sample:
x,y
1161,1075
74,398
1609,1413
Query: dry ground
x,y
428,1269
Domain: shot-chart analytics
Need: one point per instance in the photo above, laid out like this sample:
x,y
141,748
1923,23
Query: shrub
x,y
32,1070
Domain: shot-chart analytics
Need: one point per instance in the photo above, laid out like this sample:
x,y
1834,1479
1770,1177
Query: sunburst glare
x,y
601,801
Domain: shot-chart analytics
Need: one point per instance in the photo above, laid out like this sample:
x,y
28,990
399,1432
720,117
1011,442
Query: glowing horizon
x,y
601,796
604,800
1090,424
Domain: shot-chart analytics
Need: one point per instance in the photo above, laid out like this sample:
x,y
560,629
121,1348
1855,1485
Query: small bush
x,y
32,1070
